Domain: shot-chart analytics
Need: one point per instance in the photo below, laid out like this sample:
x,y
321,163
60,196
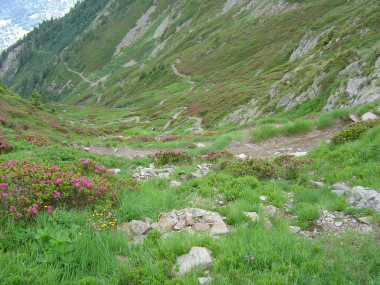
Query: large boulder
x,y
198,256
364,198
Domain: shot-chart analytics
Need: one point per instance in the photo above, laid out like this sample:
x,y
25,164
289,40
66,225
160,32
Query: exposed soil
x,y
302,142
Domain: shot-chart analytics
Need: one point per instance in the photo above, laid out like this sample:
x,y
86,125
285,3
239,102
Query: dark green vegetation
x,y
74,241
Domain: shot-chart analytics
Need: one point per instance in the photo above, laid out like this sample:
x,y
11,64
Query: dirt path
x,y
121,151
284,144
175,116
126,120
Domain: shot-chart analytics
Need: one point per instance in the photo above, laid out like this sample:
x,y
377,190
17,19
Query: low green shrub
x,y
353,131
171,157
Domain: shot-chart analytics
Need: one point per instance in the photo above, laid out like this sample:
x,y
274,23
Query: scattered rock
x,y
204,280
339,193
241,156
366,220
115,170
369,116
253,215
364,198
294,229
340,186
198,256
263,198
196,175
219,228
317,184
142,173
174,183
271,210
122,258
200,145
355,118
139,227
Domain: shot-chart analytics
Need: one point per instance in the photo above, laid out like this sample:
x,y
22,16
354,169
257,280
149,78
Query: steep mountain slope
x,y
227,61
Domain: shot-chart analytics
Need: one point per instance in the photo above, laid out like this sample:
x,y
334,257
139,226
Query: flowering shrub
x,y
353,131
171,157
5,146
28,187
6,122
34,139
214,155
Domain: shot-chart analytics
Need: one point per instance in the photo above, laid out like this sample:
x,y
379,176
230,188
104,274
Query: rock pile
x,y
202,170
336,222
142,173
189,220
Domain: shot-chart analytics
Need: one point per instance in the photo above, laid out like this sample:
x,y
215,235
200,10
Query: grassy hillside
x,y
247,60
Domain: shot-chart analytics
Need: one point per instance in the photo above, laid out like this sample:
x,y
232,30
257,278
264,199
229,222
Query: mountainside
x,y
17,17
226,61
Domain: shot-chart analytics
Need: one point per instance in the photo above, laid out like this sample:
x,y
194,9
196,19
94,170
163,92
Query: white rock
x,y
174,183
253,215
271,210
241,156
204,280
263,198
356,118
340,186
294,229
338,224
115,170
164,175
366,220
317,184
200,145
369,116
198,256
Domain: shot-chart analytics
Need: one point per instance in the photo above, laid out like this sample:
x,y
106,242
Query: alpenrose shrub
x,y
5,146
353,131
214,155
171,157
263,168
34,139
29,187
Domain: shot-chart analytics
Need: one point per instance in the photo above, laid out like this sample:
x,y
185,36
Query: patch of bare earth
x,y
301,142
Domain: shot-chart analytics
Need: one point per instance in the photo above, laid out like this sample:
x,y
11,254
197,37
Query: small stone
x,y
340,186
369,116
263,198
115,170
355,118
253,215
271,210
164,175
204,280
294,229
167,222
317,184
221,203
139,227
366,220
241,156
200,145
196,174
174,183
366,229
122,258
338,224
189,221
339,193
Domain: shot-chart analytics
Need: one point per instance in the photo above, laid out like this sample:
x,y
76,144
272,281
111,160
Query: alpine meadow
x,y
191,142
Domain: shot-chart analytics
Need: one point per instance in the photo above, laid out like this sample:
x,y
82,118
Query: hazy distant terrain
x,y
17,17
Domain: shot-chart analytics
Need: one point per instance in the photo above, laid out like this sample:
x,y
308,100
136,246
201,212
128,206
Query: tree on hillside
x,y
36,98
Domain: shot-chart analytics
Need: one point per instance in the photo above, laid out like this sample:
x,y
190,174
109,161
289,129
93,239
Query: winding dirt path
x,y
126,120
302,142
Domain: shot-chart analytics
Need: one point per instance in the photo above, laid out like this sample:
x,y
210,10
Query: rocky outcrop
x,y
307,43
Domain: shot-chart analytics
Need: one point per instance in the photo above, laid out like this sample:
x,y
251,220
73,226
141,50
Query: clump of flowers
x,y
34,139
6,122
5,146
28,187
103,220
353,131
171,157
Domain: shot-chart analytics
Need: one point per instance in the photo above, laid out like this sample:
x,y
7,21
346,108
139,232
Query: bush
x,y
28,187
5,146
171,157
214,155
34,139
353,131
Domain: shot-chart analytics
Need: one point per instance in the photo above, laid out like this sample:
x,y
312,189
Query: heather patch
x,y
353,131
